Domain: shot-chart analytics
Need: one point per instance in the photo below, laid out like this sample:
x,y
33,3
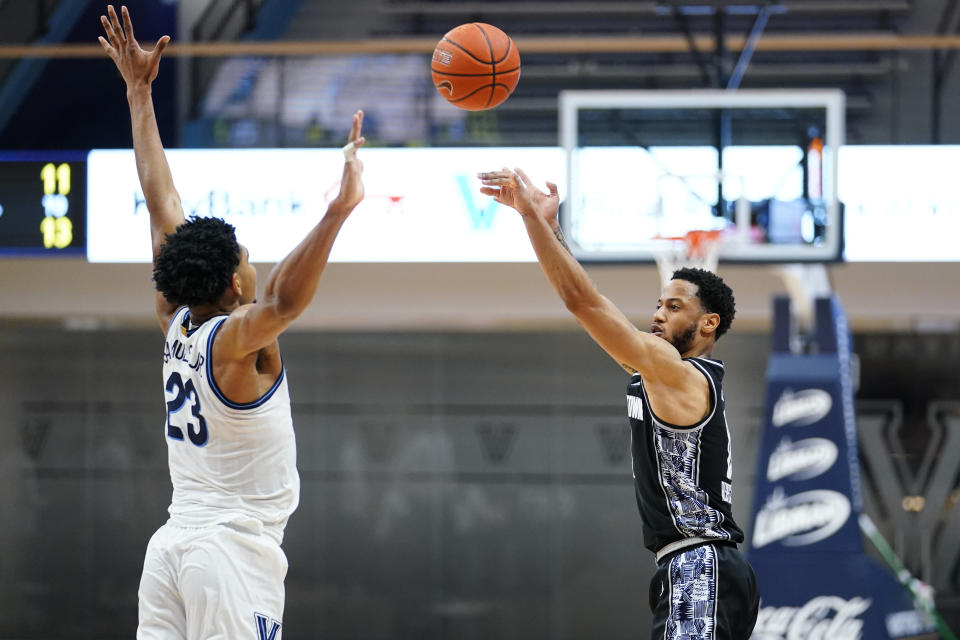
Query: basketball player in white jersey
x,y
216,569
703,588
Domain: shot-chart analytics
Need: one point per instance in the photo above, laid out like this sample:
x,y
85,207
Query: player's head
x,y
695,308
202,263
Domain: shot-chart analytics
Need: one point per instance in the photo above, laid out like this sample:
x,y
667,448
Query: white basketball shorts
x,y
219,582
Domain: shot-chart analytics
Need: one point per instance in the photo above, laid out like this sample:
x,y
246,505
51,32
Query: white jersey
x,y
229,463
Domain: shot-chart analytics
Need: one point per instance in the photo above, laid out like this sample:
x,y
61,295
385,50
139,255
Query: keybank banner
x,y
421,205
424,205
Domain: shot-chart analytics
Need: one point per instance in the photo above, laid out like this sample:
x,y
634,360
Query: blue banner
x,y
819,597
815,581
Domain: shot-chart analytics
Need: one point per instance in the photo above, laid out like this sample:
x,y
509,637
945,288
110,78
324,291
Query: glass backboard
x,y
761,166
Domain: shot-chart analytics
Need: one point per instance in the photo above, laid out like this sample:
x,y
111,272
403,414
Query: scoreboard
x,y
43,203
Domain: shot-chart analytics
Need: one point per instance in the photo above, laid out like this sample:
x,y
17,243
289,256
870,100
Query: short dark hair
x,y
197,261
714,294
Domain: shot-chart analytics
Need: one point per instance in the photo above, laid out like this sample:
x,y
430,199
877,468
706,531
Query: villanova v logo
x,y
267,628
33,435
496,440
482,219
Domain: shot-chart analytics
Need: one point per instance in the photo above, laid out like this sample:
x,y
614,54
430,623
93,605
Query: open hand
x,y
516,190
138,67
351,185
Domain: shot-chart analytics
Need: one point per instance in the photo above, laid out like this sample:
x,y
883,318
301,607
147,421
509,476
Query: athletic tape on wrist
x,y
350,151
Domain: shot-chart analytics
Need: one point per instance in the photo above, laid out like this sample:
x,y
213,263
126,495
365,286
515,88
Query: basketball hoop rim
x,y
698,248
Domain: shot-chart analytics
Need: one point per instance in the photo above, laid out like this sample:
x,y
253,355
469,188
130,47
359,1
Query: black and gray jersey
x,y
683,474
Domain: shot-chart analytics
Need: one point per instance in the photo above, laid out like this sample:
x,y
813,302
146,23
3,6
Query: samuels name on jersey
x,y
184,352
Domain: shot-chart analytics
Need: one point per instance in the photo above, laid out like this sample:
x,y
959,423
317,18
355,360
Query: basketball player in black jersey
x,y
703,588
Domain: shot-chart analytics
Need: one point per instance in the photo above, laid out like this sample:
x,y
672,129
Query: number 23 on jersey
x,y
183,394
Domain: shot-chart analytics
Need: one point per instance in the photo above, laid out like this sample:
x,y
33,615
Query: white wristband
x,y
350,151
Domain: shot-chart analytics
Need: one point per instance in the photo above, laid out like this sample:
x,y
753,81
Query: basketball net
x,y
699,249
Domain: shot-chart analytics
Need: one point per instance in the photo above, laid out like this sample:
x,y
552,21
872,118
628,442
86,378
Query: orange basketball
x,y
475,66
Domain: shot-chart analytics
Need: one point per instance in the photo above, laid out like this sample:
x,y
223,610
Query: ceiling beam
x,y
698,57
746,54
792,70
634,8
527,45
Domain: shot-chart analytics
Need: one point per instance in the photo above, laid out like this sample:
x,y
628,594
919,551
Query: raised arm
x,y
293,281
636,351
139,69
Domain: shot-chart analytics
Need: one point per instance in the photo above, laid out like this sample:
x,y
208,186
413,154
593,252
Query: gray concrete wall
x,y
466,485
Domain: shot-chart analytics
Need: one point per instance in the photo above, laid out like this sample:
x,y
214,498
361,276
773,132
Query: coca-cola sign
x,y
801,519
801,408
801,460
821,618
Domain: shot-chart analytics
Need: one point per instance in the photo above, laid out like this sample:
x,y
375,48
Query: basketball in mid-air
x,y
475,66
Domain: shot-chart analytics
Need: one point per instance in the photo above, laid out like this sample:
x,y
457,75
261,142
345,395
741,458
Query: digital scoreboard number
x,y
43,203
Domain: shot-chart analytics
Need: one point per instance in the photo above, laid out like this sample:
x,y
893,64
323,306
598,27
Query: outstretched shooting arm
x,y
657,360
